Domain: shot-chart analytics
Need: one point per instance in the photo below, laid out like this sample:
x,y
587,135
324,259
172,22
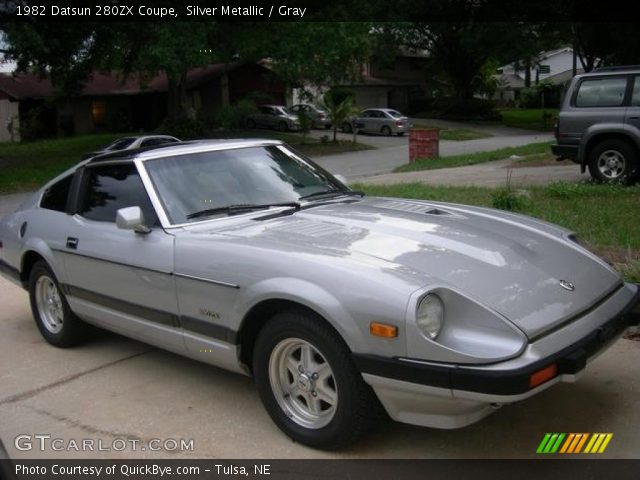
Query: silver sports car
x,y
246,255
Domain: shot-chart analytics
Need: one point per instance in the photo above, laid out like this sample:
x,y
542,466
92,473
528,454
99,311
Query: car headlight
x,y
430,315
471,333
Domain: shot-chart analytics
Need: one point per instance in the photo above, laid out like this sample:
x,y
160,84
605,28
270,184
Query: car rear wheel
x,y
347,128
57,323
386,131
308,382
613,161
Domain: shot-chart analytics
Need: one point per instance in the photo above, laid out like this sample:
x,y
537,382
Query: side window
x,y
112,187
601,92
55,197
635,97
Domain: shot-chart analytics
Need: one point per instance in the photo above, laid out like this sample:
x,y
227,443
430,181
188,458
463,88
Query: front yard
x,y
529,118
533,151
605,217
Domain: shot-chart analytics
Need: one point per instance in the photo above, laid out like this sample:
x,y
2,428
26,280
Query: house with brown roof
x,y
109,102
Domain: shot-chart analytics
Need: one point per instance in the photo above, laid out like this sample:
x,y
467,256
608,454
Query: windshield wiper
x,y
240,208
326,193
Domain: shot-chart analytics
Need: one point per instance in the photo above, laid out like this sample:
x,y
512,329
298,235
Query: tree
x,y
340,106
315,52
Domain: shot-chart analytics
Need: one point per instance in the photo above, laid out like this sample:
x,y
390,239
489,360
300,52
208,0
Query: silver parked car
x,y
599,124
273,116
319,118
130,143
246,255
385,121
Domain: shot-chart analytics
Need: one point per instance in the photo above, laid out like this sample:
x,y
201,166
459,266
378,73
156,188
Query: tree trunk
x,y
224,88
527,74
176,97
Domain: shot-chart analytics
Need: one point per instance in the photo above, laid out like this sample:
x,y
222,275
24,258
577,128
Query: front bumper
x,y
451,396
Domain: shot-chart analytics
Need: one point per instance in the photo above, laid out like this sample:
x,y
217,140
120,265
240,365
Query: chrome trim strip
x,y
153,196
206,280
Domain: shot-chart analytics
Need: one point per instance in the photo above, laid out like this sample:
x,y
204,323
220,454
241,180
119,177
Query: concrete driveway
x,y
394,151
114,388
489,174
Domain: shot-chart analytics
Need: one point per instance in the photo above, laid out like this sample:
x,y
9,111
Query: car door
x,y
270,117
632,116
363,122
119,279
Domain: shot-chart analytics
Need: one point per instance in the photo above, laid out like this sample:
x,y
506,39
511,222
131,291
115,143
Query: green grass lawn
x,y
530,118
456,134
26,166
473,158
605,217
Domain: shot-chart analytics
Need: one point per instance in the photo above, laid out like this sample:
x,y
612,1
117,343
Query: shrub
x,y
455,108
505,198
235,116
184,128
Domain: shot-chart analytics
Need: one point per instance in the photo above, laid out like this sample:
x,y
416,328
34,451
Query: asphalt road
x,y
113,388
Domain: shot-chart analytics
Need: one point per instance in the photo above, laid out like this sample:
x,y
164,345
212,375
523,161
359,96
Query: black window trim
x,y
51,185
79,186
625,100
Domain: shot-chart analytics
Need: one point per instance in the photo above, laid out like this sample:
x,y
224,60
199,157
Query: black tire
x,y
72,330
386,131
327,127
355,404
282,126
400,134
347,128
614,161
251,123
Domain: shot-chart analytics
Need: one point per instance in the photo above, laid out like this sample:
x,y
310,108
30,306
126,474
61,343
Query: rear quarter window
x,y
55,197
601,92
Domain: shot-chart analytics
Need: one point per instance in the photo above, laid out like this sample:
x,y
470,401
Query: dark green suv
x,y
599,124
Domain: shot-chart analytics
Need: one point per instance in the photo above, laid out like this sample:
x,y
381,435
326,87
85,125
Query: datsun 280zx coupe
x,y
248,256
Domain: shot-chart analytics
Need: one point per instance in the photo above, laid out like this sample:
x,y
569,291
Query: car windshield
x,y
394,113
120,143
254,176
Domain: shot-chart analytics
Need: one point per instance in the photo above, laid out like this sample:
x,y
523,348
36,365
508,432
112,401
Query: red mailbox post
x,y
423,143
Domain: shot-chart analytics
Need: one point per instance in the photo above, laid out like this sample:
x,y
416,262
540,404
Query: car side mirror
x,y
131,218
342,179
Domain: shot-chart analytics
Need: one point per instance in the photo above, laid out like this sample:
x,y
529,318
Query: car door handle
x,y
72,243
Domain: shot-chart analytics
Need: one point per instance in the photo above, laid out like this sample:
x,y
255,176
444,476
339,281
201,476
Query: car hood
x,y
510,263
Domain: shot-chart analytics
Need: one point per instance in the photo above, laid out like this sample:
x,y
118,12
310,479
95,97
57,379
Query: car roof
x,y
617,70
181,148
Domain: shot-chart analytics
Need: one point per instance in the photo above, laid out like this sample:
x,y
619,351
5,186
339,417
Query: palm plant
x,y
339,108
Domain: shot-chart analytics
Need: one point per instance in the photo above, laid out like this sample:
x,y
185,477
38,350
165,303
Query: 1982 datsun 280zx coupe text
x,y
248,256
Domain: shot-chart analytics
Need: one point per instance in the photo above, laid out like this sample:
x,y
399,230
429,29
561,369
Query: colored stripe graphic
x,y
573,443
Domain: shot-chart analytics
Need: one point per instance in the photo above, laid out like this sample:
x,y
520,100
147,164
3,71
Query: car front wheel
x,y
613,161
308,382
57,323
347,128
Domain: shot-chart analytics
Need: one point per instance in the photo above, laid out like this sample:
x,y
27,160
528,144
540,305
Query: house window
x,y
544,69
99,113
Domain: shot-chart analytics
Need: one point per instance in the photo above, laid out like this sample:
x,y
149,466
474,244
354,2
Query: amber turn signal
x,y
541,376
383,330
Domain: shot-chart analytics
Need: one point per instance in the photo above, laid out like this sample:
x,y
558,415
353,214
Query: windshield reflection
x,y
244,176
